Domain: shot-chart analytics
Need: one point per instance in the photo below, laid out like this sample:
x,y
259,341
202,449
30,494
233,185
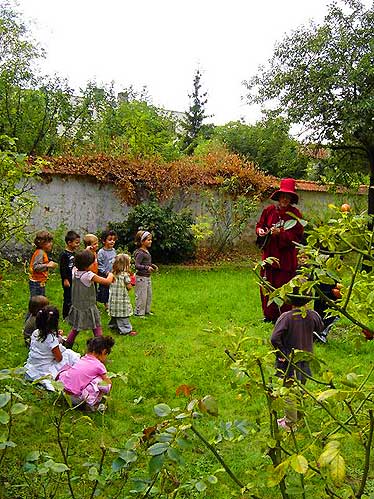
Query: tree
x,y
138,129
194,117
16,199
268,144
323,78
32,107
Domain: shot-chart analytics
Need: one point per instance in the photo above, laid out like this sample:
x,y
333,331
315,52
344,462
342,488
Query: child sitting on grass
x,y
87,381
36,303
294,331
47,355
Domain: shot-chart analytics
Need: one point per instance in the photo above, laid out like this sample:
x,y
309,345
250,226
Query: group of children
x,y
87,276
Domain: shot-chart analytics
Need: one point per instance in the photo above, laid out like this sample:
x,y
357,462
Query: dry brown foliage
x,y
135,179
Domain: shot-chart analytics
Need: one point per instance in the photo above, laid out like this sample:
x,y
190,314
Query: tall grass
x,y
196,313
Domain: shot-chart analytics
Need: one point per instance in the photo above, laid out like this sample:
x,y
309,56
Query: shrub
x,y
173,240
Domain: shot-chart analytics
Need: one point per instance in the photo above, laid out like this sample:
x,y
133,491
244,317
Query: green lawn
x,y
198,314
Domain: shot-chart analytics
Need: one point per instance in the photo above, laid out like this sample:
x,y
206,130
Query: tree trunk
x,y
371,195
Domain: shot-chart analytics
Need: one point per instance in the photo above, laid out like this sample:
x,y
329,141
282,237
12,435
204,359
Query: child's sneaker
x,y
101,408
282,423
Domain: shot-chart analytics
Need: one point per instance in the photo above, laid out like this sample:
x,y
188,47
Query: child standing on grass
x,y
36,303
91,242
72,241
105,259
47,355
120,308
87,381
40,263
144,269
294,331
84,313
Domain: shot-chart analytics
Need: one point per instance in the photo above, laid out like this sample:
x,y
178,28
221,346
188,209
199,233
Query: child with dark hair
x,y
72,240
40,263
87,381
84,313
36,303
105,259
47,355
294,331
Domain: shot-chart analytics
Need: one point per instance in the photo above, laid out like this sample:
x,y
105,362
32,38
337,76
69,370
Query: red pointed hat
x,y
287,185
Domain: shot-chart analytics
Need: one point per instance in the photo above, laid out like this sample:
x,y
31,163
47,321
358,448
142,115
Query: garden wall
x,y
85,205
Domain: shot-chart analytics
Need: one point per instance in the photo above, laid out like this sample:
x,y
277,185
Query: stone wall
x,y
85,205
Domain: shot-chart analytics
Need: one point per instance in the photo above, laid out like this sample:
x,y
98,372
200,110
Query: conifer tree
x,y
193,122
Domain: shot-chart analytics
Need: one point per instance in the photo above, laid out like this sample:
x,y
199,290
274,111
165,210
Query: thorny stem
x,y
311,395
297,451
346,314
354,248
349,419
218,457
57,424
147,492
353,278
308,376
290,361
367,455
103,452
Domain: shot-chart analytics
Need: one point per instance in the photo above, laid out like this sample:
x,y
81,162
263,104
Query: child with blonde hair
x,y
40,263
144,268
120,308
91,242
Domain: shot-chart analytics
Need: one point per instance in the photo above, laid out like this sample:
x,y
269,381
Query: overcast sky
x,y
160,43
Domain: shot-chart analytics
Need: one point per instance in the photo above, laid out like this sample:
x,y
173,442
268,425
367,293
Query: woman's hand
x,y
262,232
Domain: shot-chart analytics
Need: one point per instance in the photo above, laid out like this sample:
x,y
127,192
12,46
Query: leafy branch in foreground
x,y
331,422
340,251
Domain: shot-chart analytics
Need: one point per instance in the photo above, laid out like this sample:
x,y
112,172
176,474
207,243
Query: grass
x,y
198,311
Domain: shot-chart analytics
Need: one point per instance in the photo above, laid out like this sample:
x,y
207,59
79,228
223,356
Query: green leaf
x,y
33,455
327,394
129,456
174,455
209,404
156,463
4,417
278,473
18,408
329,454
289,224
118,464
200,486
4,399
212,479
299,463
337,470
162,410
158,448
59,467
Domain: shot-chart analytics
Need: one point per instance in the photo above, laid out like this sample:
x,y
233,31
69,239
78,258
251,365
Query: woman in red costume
x,y
279,243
